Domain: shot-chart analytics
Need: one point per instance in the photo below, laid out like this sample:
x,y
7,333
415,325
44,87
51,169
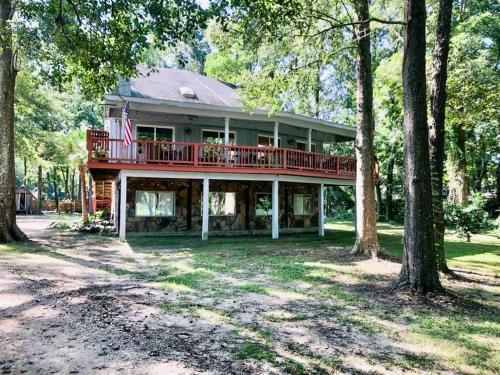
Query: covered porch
x,y
189,203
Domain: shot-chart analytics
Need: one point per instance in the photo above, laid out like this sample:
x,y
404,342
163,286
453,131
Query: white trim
x,y
309,139
235,176
276,135
123,206
321,211
197,109
205,209
275,219
227,132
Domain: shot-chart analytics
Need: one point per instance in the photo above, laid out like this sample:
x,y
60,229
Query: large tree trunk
x,y
459,184
418,271
366,222
9,230
83,192
436,127
40,183
389,190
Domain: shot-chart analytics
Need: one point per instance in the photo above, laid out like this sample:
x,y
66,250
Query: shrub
x,y
101,214
469,219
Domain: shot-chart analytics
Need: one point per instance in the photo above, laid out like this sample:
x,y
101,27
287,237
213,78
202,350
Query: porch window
x,y
154,203
267,141
302,204
217,137
263,204
301,145
155,133
222,204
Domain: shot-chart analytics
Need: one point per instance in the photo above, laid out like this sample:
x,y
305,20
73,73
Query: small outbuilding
x,y
24,200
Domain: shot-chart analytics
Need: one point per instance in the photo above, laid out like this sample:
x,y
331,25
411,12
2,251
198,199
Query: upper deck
x,y
105,153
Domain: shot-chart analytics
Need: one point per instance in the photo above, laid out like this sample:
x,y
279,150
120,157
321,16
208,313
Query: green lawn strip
x,y
477,337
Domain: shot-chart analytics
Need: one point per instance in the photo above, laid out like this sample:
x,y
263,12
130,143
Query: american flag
x,y
128,125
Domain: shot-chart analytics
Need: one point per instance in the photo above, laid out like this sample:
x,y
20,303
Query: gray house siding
x,y
189,129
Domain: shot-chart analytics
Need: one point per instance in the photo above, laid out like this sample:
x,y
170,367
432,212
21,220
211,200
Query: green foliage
x,y
99,42
469,219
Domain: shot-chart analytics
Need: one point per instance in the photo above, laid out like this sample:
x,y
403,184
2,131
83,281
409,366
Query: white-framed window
x,y
154,203
302,145
302,204
221,203
267,140
217,136
155,133
263,204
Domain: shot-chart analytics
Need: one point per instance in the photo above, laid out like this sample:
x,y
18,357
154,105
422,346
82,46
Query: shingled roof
x,y
171,84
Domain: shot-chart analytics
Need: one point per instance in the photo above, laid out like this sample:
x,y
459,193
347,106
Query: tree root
x,y
372,251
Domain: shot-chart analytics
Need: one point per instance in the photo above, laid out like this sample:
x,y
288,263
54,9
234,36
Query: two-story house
x,y
199,163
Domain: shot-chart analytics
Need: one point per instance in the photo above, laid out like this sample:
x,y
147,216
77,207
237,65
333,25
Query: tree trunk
x,y
65,174
436,127
25,164
366,223
389,210
418,271
83,192
458,185
56,192
72,192
40,183
378,192
9,230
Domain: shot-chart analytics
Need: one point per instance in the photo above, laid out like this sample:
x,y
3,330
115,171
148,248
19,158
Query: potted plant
x,y
100,153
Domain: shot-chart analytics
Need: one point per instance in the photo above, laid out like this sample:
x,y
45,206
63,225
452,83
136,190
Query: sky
x,y
204,3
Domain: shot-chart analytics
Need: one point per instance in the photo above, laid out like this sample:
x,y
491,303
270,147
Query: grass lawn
x,y
304,305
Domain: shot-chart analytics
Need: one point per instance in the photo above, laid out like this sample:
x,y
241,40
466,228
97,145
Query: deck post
x,y
123,208
226,131
205,213
275,211
321,211
309,139
276,136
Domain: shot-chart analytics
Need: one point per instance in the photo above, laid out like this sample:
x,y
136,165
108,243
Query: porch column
x,y
309,139
226,130
275,211
321,211
123,207
205,213
276,136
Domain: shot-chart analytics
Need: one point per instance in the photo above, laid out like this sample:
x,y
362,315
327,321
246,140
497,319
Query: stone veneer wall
x,y
245,193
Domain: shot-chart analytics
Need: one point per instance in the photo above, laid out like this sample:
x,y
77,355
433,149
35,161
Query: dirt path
x,y
66,313
80,304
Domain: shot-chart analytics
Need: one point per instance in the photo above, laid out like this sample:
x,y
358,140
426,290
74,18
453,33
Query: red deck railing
x,y
102,149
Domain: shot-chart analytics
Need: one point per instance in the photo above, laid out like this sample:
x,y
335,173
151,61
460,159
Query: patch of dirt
x,y
89,305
